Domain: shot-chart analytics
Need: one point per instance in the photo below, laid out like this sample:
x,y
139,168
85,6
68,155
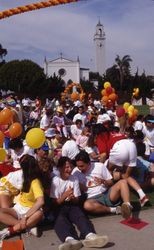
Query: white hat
x,y
50,132
103,118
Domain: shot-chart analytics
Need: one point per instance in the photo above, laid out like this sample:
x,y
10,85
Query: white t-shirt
x,y
70,149
97,169
15,178
138,125
81,117
45,122
75,131
149,134
59,186
15,156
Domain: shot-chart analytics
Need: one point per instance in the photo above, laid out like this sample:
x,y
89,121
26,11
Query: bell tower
x,y
99,40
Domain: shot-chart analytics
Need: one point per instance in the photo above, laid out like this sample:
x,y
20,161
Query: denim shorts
x,y
104,199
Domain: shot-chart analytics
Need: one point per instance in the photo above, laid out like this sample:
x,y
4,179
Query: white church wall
x,y
70,69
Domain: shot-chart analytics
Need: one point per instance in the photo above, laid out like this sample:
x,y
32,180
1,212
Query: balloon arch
x,y
33,6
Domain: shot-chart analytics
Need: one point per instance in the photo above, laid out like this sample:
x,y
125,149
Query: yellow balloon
x,y
35,138
130,114
2,154
126,105
107,84
130,108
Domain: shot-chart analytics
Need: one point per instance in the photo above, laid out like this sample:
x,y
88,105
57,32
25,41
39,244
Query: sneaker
x,y
34,231
65,246
95,240
71,245
126,210
118,210
144,200
3,234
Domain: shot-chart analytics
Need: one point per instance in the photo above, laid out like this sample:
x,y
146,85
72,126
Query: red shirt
x,y
105,141
5,169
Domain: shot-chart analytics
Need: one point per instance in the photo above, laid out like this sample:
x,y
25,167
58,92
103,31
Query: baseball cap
x,y
50,132
45,147
151,121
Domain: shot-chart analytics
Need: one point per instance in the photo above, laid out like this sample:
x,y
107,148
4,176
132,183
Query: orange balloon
x,y
103,92
135,112
5,116
113,97
74,96
1,138
105,98
15,130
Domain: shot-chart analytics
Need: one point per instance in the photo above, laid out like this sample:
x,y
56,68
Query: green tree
x,y
22,76
112,75
54,86
123,66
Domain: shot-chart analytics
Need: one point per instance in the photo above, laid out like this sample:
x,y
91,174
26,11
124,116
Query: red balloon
x,y
120,112
108,90
15,130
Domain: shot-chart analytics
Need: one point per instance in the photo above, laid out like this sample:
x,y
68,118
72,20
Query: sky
x,y
69,29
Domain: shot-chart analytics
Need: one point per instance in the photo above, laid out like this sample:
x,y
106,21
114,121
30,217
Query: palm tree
x,y
123,66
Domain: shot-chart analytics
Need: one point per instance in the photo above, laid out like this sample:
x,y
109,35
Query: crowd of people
x,y
88,164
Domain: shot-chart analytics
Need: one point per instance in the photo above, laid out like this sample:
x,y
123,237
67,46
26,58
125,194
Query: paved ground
x,y
121,237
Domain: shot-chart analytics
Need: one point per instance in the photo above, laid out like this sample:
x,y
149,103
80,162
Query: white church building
x,y
67,69
70,69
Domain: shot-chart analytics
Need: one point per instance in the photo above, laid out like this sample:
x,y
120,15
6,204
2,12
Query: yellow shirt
x,y
36,191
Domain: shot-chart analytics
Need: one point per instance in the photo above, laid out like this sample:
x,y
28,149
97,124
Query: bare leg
x,y
120,190
5,201
93,206
8,216
133,183
31,222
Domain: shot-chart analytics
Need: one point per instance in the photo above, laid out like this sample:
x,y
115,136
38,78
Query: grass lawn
x,y
143,109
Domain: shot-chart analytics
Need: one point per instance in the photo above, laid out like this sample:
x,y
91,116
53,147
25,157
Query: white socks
x,y
113,210
140,193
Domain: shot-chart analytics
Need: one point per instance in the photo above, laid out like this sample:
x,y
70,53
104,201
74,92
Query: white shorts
x,y
123,153
20,210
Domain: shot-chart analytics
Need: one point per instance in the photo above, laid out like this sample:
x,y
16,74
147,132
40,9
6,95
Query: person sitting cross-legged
x,y
27,211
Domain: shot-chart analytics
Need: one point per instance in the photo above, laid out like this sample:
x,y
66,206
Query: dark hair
x,y
45,164
15,143
62,161
78,121
82,156
140,146
91,141
130,131
139,135
98,129
31,171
